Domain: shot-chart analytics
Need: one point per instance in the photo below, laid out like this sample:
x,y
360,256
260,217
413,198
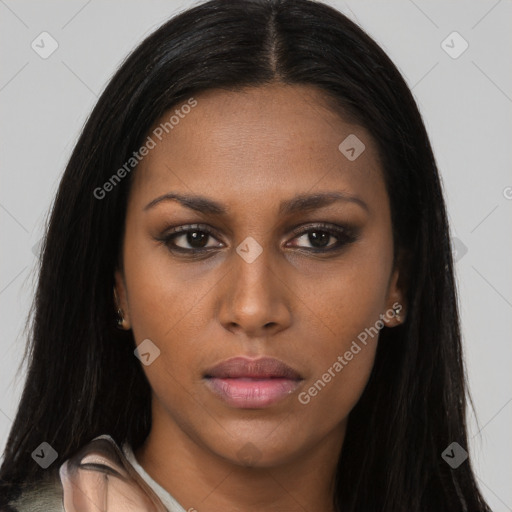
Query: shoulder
x,y
42,496
96,474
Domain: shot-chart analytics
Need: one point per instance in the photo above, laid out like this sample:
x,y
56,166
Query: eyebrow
x,y
302,202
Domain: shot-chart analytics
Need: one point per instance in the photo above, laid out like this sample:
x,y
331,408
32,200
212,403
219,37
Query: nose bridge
x,y
252,265
255,296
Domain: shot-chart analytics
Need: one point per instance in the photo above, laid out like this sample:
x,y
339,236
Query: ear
x,y
396,308
122,298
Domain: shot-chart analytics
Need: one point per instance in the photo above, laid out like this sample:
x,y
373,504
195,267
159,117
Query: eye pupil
x,y
319,236
197,238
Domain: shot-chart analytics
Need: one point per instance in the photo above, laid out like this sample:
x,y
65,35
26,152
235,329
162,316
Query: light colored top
x,y
169,502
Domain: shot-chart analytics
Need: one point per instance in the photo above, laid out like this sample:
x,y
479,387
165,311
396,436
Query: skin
x,y
250,150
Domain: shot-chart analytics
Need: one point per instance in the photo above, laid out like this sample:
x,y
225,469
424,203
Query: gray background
x,y
466,103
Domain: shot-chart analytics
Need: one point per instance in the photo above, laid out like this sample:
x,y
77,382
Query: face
x,y
254,276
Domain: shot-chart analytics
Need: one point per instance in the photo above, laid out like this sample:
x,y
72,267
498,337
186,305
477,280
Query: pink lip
x,y
252,393
252,383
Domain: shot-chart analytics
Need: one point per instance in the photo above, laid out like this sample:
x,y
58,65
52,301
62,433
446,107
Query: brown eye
x,y
318,239
195,239
189,239
325,237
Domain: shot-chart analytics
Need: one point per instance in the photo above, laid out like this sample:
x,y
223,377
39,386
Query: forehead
x,y
259,143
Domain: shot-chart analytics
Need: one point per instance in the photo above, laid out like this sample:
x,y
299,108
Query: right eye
x,y
195,236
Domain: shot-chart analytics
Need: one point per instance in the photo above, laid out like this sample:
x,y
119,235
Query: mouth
x,y
252,383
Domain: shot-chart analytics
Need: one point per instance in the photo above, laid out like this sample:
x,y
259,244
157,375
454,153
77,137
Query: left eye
x,y
320,237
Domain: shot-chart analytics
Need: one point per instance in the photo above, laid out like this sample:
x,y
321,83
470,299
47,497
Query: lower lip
x,y
246,393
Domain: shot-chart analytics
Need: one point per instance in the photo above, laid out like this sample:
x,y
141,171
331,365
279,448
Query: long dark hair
x,y
83,379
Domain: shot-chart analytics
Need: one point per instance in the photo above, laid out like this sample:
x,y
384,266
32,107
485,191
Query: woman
x,y
254,200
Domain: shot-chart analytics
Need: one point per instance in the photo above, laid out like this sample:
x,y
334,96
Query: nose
x,y
255,299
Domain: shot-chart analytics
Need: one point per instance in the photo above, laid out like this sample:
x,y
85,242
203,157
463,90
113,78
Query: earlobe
x,y
398,312
120,302
396,307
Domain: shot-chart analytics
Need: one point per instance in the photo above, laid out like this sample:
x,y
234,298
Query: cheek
x,y
161,297
341,360
347,313
340,381
168,307
343,354
338,309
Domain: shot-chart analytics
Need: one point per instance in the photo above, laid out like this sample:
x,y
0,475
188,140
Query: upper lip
x,y
264,367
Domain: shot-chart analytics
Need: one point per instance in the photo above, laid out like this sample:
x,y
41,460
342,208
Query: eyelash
x,y
345,234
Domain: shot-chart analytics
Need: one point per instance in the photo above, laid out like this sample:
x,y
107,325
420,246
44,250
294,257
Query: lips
x,y
263,368
252,383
